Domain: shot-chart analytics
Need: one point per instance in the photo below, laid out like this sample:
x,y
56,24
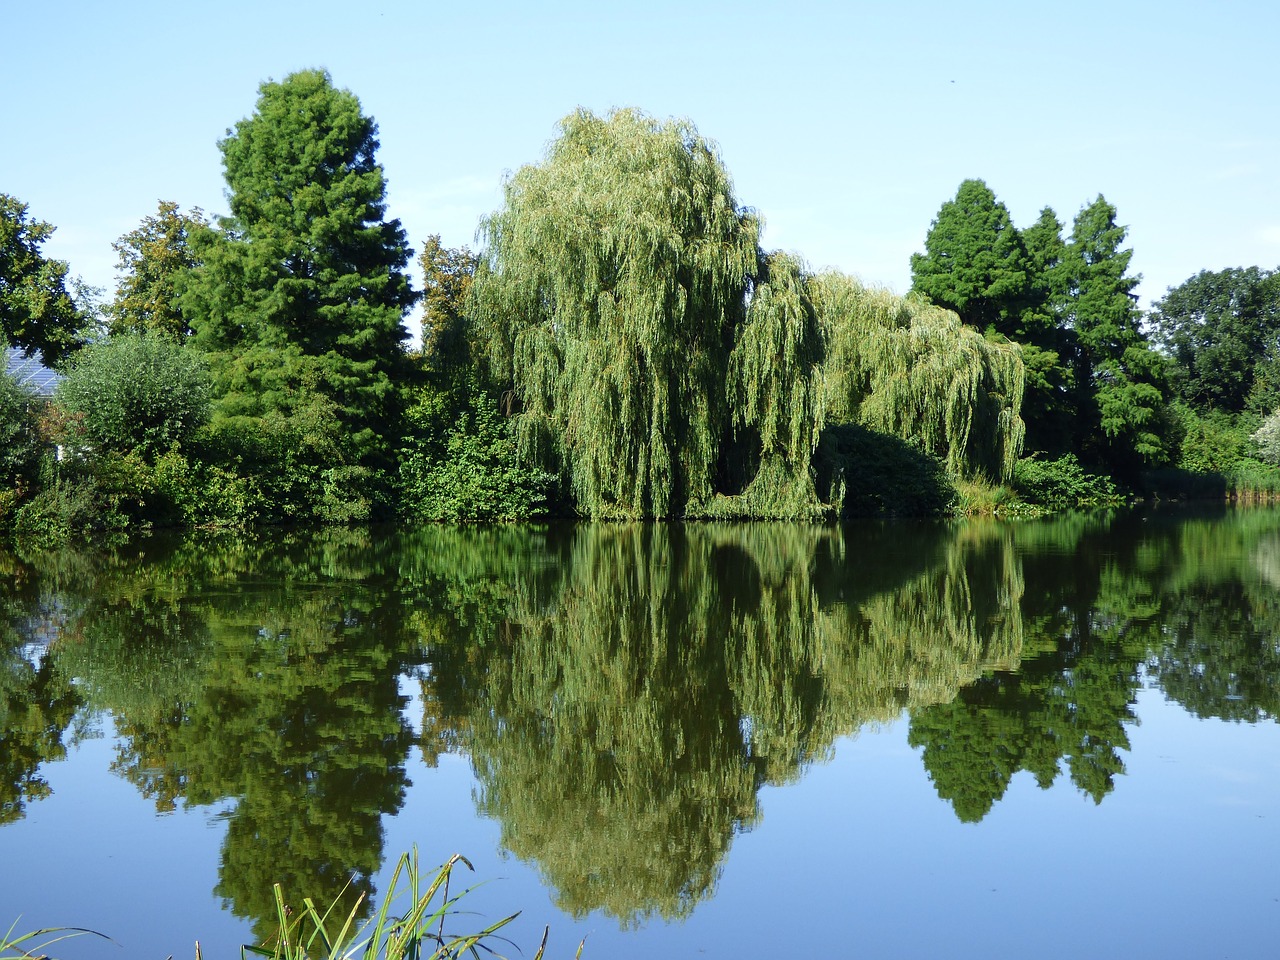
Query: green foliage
x,y
154,259
624,690
36,311
295,457
192,493
863,473
37,704
416,934
466,471
912,370
1062,484
1216,327
21,446
775,369
616,274
447,277
307,272
61,510
975,261
29,946
137,392
1123,378
1213,441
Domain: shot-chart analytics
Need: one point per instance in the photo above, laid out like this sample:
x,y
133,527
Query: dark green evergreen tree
x,y
1119,378
1009,283
975,262
302,293
1048,345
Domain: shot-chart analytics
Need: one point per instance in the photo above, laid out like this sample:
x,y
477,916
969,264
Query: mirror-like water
x,y
894,740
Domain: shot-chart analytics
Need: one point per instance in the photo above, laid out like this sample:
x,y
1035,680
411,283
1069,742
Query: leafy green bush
x,y
1062,484
20,443
195,494
60,510
137,391
1213,442
467,472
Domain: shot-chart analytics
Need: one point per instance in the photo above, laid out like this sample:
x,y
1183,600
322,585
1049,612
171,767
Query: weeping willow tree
x,y
616,277
775,395
904,367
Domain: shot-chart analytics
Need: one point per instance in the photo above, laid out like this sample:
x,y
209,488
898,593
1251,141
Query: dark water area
x,y
1048,739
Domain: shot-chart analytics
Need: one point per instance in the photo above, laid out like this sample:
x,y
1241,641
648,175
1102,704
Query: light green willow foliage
x,y
904,367
775,392
616,275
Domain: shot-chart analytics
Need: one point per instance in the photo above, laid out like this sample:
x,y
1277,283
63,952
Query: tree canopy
x,y
1123,376
975,261
1216,327
303,287
153,260
36,311
616,277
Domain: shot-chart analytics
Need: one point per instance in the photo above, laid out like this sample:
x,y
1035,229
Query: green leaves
x,y
36,311
975,262
1216,329
154,259
137,392
616,277
307,264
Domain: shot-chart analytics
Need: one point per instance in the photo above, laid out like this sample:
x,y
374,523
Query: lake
x,y
1040,739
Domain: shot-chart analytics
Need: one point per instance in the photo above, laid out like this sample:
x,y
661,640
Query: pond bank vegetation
x,y
621,348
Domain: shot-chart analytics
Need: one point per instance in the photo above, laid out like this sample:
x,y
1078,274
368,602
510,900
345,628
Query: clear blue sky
x,y
845,124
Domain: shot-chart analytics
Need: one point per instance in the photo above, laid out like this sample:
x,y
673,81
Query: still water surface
x,y
1050,739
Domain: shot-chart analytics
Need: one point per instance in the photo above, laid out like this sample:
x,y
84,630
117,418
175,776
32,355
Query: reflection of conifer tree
x,y
273,684
1087,616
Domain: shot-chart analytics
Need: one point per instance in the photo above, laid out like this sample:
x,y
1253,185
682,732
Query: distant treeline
x,y
621,348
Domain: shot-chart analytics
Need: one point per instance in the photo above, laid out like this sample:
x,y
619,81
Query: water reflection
x,y
622,692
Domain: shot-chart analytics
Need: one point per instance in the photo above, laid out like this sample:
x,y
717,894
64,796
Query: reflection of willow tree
x,y
274,685
624,710
37,702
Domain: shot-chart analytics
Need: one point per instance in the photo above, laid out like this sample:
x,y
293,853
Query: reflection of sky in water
x,y
858,857
855,855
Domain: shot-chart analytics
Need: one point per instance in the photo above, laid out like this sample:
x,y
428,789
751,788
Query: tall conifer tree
x,y
975,262
303,291
1121,376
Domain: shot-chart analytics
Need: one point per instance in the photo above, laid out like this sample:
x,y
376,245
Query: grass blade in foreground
x,y
12,947
418,934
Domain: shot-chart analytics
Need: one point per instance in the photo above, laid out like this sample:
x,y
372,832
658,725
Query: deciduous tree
x,y
36,311
1216,328
153,261
616,276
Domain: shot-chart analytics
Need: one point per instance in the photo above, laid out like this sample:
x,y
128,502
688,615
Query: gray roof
x,y
30,371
